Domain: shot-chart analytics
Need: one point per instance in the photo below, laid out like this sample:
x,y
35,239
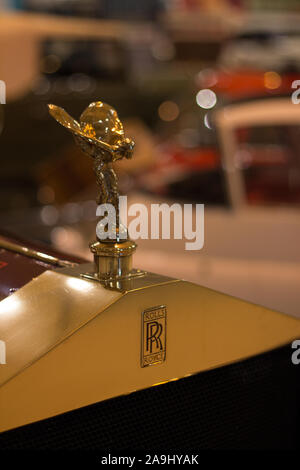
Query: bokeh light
x,y
272,80
206,98
168,111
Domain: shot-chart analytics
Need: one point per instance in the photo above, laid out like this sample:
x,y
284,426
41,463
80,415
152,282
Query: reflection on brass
x,y
38,255
71,342
113,262
154,329
43,313
100,134
137,279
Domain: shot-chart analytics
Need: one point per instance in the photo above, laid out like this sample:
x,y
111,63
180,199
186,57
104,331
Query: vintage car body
x,y
104,356
74,375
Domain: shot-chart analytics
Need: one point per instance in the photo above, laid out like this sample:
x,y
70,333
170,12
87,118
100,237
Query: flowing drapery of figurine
x,y
100,134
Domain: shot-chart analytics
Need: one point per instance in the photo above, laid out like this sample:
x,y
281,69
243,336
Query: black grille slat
x,y
250,404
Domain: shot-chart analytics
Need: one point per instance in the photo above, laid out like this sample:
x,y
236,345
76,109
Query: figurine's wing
x,y
61,116
88,143
64,118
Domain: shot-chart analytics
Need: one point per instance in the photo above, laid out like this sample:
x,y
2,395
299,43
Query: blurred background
x,y
204,87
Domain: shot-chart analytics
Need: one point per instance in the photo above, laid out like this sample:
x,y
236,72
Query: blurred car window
x,y
269,157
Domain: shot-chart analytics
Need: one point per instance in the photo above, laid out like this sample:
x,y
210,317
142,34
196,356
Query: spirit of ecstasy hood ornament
x,y
100,134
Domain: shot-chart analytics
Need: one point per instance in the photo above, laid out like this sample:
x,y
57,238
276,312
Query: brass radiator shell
x,y
72,342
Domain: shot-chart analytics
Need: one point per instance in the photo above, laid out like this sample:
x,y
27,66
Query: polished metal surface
x,y
31,253
100,135
136,280
43,313
51,307
72,342
113,261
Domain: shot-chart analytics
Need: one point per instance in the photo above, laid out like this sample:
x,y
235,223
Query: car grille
x,y
250,404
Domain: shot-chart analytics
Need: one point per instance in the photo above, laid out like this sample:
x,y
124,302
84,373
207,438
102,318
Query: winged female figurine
x,y
100,135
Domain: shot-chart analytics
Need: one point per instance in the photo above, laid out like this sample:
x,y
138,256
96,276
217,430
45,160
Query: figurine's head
x,y
99,131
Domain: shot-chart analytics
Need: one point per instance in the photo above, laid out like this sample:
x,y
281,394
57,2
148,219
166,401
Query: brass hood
x,y
72,342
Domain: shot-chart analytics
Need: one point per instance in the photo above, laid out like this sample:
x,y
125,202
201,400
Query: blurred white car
x,y
264,41
252,249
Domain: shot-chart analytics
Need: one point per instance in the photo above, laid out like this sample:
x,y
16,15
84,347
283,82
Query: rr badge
x,y
154,323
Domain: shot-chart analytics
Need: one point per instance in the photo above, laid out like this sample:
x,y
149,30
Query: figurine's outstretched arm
x,y
89,143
